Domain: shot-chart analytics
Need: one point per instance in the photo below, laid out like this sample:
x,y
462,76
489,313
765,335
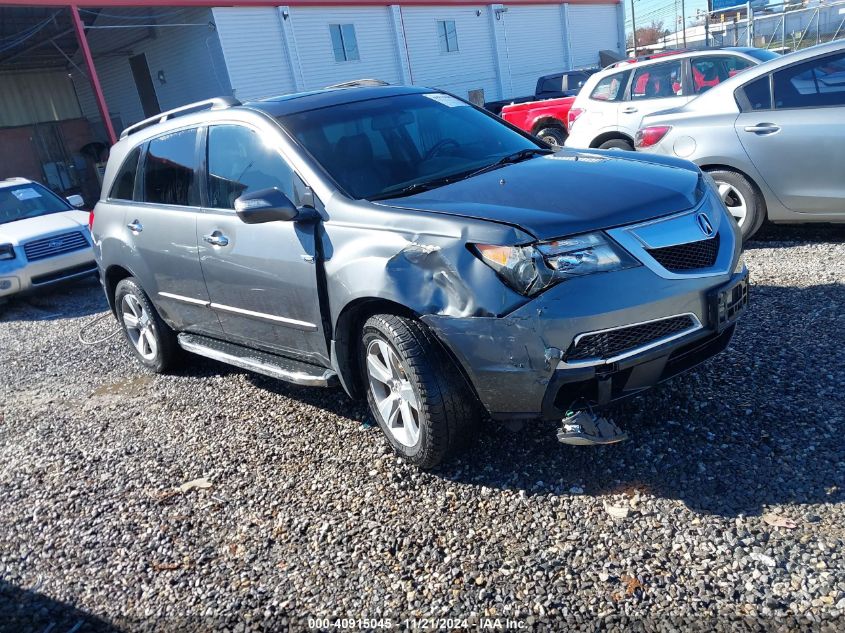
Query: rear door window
x,y
814,84
611,88
712,70
124,183
657,81
170,170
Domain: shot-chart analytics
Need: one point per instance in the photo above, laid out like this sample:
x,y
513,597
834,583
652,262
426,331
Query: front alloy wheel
x,y
415,391
393,393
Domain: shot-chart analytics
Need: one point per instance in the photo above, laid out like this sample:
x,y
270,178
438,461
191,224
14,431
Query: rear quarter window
x,y
611,88
124,182
755,95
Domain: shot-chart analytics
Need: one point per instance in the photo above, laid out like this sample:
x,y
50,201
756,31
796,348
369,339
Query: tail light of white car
x,y
651,135
573,115
91,220
7,251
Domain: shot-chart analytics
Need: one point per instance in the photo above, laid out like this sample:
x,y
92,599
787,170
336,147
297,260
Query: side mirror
x,y
76,201
265,205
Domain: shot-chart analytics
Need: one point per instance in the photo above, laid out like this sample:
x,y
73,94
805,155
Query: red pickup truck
x,y
546,119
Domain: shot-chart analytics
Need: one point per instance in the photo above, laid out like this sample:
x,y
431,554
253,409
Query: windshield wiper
x,y
510,159
418,187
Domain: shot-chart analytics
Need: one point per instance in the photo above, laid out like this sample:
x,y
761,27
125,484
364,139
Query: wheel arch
x,y
113,276
717,166
548,121
345,344
609,136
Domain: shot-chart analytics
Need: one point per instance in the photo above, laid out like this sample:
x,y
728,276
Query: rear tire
x,y
149,337
743,201
553,135
617,143
417,395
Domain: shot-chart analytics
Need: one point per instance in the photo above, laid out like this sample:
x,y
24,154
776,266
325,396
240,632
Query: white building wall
x,y
253,45
471,67
379,58
189,56
536,44
593,28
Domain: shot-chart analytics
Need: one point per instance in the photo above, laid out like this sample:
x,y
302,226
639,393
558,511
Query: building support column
x,y
401,44
79,27
500,50
291,51
567,35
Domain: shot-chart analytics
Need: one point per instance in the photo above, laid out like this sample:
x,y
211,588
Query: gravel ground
x,y
309,515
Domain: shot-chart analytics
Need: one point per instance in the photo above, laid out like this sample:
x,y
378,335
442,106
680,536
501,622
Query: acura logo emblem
x,y
704,224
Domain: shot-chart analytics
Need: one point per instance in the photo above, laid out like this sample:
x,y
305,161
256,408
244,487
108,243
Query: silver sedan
x,y
772,137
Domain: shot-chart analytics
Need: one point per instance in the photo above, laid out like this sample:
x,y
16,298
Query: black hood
x,y
568,192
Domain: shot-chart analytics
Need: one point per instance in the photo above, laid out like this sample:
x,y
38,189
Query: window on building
x,y
124,182
817,83
240,162
344,42
448,36
170,170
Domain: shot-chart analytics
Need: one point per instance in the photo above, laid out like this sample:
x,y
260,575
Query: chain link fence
x,y
782,28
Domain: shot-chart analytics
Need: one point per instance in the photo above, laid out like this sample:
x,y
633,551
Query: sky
x,y
661,10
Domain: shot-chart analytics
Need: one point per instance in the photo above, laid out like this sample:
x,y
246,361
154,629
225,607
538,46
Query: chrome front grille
x,y
627,340
690,256
55,245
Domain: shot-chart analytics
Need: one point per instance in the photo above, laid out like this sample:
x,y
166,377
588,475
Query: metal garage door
x,y
593,28
535,44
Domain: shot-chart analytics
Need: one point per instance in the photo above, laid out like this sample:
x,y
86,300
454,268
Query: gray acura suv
x,y
419,252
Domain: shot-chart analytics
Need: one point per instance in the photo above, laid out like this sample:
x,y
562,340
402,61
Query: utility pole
x,y
634,28
684,18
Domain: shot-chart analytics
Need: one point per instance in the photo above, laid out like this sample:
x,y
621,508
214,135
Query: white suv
x,y
609,108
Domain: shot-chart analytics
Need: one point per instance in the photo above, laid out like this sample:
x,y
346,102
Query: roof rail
x,y
217,103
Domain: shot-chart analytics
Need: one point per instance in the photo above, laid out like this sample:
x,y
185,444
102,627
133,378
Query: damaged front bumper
x,y
597,339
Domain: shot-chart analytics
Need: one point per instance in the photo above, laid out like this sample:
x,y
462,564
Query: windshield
x,y
762,54
28,201
376,147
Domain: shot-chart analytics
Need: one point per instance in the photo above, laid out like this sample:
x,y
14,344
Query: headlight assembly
x,y
7,251
532,268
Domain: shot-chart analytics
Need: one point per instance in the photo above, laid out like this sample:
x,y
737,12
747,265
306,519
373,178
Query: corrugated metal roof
x,y
36,97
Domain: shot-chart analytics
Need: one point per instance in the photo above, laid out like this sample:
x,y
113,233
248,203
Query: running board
x,y
272,365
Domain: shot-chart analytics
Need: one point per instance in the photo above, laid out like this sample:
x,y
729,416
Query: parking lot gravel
x,y
725,509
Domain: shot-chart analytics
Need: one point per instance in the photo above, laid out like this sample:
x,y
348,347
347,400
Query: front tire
x,y
742,200
416,393
150,338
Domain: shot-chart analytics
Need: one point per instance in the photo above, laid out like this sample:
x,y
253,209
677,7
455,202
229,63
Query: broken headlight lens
x,y
530,269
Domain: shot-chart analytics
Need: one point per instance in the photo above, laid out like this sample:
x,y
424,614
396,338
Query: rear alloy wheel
x,y
416,393
552,135
741,200
150,338
617,143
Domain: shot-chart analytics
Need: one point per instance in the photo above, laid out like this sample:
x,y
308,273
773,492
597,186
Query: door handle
x,y
629,110
216,239
763,128
135,226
